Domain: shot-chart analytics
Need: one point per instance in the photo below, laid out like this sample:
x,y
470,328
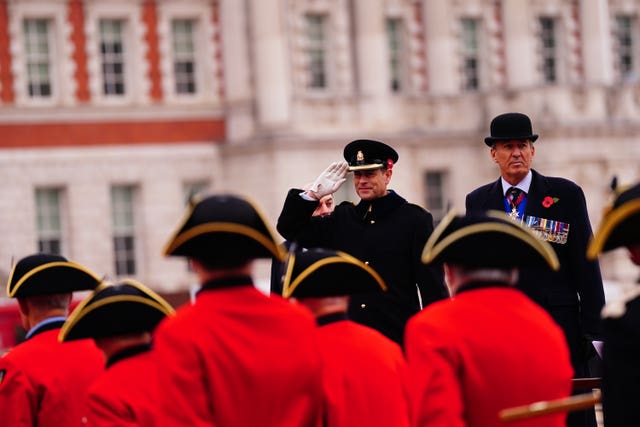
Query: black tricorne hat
x,y
47,274
127,307
366,154
224,227
510,126
324,272
620,226
491,240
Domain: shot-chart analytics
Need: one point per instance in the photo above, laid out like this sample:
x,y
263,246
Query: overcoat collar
x,y
380,206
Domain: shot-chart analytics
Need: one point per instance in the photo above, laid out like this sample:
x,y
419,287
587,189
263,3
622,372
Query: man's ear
x,y
492,152
24,306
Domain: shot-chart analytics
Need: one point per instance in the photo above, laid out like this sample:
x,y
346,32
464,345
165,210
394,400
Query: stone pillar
x,y
442,47
272,75
372,58
596,41
237,79
520,44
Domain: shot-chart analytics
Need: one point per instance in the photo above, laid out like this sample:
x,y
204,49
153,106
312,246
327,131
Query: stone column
x,y
237,79
372,58
272,75
442,46
520,44
596,41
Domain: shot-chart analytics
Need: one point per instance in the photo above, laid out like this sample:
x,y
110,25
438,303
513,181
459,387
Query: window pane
x,y
122,220
436,191
49,221
624,34
184,56
112,56
37,56
470,54
548,49
394,36
316,51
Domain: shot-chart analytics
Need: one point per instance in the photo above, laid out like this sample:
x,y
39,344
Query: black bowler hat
x,y
47,274
225,228
127,307
323,272
491,240
509,126
621,224
366,154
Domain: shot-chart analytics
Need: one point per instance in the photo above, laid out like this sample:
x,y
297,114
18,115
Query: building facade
x,y
113,112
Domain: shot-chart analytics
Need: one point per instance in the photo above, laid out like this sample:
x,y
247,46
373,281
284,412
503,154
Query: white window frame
x,y
62,67
47,211
137,84
207,80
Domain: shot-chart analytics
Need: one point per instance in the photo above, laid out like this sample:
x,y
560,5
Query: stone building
x,y
113,112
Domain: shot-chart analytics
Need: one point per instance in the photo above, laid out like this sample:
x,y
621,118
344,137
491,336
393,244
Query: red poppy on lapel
x,y
548,201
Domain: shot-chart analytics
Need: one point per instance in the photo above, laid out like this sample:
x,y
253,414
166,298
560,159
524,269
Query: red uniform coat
x,y
239,358
125,395
51,385
364,375
483,351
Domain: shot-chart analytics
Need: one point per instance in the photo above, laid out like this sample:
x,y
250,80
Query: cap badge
x,y
359,157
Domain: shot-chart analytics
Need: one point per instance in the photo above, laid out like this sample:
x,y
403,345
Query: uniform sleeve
x,y
295,221
429,278
183,395
435,395
18,399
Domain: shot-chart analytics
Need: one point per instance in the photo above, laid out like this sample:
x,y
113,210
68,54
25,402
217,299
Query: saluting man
x,y
383,230
46,381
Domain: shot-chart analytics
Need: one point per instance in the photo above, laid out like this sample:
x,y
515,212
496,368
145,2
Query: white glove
x,y
330,180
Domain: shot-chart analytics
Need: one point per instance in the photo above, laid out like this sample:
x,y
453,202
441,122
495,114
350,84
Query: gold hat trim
x,y
88,305
36,270
609,223
342,258
269,242
435,247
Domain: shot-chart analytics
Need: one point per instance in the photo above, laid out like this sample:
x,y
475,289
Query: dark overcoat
x,y
389,235
574,295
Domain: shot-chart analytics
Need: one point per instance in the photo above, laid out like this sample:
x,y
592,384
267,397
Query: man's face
x,y
514,159
325,207
371,184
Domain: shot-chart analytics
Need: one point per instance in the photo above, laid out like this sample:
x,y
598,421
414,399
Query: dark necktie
x,y
515,196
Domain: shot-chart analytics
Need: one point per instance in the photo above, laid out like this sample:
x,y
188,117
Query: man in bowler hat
x,y
44,382
620,228
556,211
383,230
363,371
235,356
490,347
120,318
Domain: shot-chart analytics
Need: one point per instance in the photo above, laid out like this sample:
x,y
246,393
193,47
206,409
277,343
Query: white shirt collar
x,y
524,185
